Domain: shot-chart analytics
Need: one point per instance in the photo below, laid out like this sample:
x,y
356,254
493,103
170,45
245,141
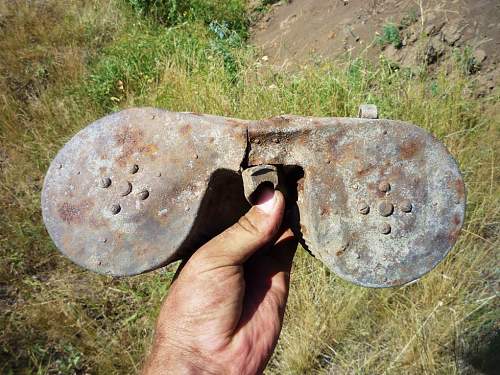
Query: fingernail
x,y
266,200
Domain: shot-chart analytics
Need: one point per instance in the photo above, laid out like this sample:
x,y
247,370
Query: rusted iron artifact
x,y
380,202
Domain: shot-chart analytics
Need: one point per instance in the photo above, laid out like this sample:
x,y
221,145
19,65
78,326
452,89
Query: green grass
x,y
390,35
175,12
65,65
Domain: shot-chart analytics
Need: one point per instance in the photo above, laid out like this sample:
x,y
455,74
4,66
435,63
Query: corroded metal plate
x,y
380,202
123,194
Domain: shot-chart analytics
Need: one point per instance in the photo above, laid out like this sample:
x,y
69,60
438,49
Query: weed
x,y
464,57
225,44
173,12
409,19
390,35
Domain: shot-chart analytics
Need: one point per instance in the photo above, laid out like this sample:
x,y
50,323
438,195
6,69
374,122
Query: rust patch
x,y
409,149
333,142
127,136
364,169
277,121
303,140
149,150
71,213
340,196
233,122
186,130
326,210
460,187
373,188
129,140
396,174
453,234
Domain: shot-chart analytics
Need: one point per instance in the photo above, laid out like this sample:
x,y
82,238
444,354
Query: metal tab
x,y
254,177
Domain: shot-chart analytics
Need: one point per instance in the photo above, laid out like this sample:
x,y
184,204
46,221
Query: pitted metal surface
x,y
381,202
122,195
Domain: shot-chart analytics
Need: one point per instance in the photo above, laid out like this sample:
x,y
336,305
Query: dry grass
x,y
60,65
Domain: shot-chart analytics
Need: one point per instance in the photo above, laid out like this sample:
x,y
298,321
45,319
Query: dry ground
x,y
292,33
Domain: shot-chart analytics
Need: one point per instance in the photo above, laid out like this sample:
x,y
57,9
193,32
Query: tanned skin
x,y
224,311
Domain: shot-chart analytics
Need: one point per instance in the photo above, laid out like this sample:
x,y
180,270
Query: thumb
x,y
254,230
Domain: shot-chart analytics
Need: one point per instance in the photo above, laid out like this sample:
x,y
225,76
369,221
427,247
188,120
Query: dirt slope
x,y
293,32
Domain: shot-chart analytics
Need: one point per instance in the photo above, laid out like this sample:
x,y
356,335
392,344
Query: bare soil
x,y
292,33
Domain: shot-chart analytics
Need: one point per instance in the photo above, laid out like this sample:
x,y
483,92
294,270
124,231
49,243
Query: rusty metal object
x,y
380,202
368,111
254,177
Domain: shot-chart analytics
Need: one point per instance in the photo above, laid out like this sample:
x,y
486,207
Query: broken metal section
x,y
254,177
380,202
368,111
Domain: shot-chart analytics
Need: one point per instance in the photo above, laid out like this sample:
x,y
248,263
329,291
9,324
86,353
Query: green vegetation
x,y
465,59
174,12
390,35
63,65
409,19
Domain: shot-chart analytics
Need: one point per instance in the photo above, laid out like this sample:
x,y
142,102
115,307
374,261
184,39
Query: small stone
x,y
451,34
479,56
392,53
412,38
434,28
435,49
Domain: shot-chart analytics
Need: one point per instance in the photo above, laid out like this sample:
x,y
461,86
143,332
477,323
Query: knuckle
x,y
248,226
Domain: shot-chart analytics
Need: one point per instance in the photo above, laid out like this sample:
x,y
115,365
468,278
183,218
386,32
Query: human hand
x,y
224,312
